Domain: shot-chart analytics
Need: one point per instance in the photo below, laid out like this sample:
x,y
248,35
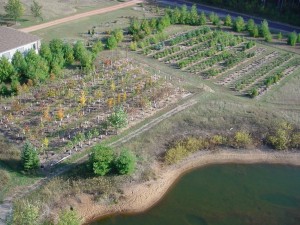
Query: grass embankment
x,y
11,177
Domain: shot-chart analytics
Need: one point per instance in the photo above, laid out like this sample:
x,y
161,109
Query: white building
x,y
12,40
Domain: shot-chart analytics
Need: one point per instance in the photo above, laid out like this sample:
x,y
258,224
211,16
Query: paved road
x,y
80,15
224,12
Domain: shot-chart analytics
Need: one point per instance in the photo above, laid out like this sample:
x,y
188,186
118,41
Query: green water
x,y
226,195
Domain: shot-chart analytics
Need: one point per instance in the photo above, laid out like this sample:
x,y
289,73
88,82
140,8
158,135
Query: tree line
x,y
33,68
287,11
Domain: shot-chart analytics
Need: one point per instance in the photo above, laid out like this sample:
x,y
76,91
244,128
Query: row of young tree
x,y
184,16
33,68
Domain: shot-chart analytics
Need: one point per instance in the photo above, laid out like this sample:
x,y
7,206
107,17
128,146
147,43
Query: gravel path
x,y
79,16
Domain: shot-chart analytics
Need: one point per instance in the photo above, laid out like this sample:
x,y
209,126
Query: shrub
x,y
295,140
68,217
125,163
218,140
242,139
25,213
175,154
253,93
30,159
101,160
281,140
133,46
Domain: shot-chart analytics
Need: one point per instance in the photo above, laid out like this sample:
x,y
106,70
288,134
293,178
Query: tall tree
x,y
36,10
14,9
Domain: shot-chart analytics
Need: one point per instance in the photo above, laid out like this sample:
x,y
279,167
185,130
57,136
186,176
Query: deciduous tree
x,y
14,9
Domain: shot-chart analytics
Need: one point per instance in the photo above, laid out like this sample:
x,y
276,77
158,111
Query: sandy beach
x,y
139,197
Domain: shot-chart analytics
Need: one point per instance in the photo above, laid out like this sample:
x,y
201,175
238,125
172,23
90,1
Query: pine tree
x,y
30,159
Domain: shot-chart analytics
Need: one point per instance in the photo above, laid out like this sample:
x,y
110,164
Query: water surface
x,y
226,195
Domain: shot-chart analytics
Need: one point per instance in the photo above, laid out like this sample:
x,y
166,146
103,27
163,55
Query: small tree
x,y
202,19
118,33
228,21
118,119
97,47
19,63
250,25
292,39
36,10
68,53
6,70
279,36
45,52
133,46
265,31
14,9
111,42
239,24
101,159
79,50
125,163
68,217
30,159
25,213
193,18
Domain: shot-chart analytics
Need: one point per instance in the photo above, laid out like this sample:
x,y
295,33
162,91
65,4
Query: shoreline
x,y
139,197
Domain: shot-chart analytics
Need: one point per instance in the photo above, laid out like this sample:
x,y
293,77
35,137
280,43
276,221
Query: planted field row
x,y
251,77
229,63
217,44
73,112
258,88
232,77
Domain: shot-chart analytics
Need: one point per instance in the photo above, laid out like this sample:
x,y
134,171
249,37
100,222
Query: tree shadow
x,y
15,166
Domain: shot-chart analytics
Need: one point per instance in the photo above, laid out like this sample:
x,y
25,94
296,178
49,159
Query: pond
x,y
226,194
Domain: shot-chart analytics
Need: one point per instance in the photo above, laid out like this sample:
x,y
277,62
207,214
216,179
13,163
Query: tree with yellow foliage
x,y
46,114
110,103
112,86
60,114
82,98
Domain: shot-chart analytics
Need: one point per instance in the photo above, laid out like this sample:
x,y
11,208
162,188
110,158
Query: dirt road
x,y
79,16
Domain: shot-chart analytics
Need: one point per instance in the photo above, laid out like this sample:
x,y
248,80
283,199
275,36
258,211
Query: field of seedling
x,y
70,114
233,61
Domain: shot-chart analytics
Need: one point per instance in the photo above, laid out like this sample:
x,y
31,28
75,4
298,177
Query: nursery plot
x,y
274,76
70,114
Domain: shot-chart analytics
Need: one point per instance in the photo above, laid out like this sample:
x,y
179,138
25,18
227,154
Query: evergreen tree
x,y
101,160
112,42
202,19
30,159
183,15
79,49
6,70
19,64
239,24
193,16
125,163
292,39
68,53
45,52
250,26
228,21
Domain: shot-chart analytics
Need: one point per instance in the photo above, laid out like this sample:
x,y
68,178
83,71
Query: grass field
x,y
56,9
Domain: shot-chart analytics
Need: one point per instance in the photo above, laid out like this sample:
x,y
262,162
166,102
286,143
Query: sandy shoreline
x,y
140,197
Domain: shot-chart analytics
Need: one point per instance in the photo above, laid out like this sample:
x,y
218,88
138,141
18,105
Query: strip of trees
x,y
31,68
287,11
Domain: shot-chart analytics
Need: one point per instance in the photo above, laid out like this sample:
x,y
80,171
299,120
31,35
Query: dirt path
x,y
6,207
79,16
